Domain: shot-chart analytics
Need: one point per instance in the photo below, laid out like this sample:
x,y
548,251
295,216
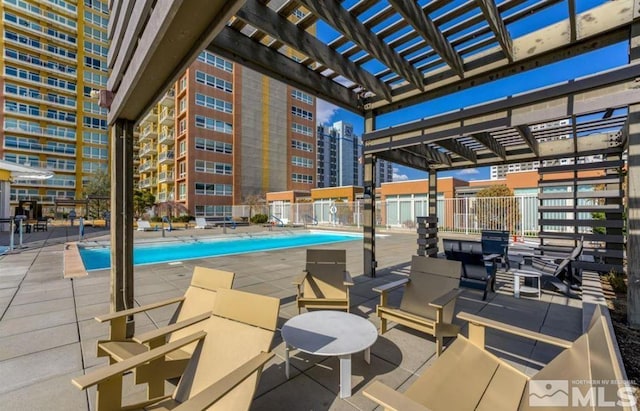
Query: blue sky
x,y
603,59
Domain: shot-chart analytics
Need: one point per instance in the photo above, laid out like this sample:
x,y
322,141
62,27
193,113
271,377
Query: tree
x,y
254,200
98,186
142,200
498,214
171,209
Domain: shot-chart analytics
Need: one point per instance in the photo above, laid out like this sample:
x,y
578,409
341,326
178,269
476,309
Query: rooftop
x,y
48,335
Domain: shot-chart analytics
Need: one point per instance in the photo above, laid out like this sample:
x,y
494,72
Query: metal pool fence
x,y
468,215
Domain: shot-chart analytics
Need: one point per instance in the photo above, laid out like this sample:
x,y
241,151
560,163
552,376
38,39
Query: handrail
x,y
309,217
281,224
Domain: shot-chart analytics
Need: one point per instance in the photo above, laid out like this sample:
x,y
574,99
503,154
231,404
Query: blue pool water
x,y
96,258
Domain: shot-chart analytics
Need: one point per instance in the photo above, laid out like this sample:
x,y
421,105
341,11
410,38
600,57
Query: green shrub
x,y
616,280
156,219
182,219
259,219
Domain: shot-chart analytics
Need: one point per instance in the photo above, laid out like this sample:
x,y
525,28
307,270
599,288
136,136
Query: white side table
x,y
517,288
330,333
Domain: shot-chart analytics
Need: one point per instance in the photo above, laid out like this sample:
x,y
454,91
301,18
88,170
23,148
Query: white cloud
x,y
399,177
468,171
325,111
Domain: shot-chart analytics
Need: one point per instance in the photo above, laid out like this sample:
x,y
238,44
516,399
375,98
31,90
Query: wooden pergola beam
x,y
238,47
491,144
460,149
267,20
528,138
430,154
426,28
350,27
492,15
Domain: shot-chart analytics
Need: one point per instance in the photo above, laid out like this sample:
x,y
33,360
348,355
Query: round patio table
x,y
330,333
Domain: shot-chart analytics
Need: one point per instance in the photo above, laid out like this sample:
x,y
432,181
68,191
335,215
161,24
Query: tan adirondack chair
x,y
428,299
466,377
325,282
194,307
226,365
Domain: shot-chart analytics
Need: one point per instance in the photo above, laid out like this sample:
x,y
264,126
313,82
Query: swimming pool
x,y
97,258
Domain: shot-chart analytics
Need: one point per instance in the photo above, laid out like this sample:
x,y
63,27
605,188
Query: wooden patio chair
x,y
325,282
194,307
223,373
467,377
428,300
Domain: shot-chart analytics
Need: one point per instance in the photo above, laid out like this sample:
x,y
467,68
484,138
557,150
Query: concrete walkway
x,y
48,335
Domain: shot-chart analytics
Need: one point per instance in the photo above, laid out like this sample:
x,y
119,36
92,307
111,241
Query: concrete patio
x,y
48,335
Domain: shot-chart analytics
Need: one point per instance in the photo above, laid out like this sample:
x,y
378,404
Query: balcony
x,y
168,99
166,157
150,117
148,150
40,148
165,177
165,196
147,183
167,138
43,199
148,132
147,167
167,117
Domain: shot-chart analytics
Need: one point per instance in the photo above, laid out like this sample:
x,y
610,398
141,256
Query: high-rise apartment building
x,y
499,172
54,52
340,158
339,152
224,133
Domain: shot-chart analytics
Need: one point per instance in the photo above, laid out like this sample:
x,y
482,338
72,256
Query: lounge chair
x,y
325,282
553,273
478,269
202,223
467,377
144,225
428,299
496,242
223,373
194,307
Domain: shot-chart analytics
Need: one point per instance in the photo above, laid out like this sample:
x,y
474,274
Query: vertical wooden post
x,y
633,196
369,214
122,219
433,201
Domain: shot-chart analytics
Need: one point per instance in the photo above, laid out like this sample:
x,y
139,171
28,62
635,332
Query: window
x,y
92,122
300,129
92,137
301,178
213,211
304,97
297,111
182,104
213,167
209,189
214,103
215,61
212,81
182,191
182,148
302,162
182,126
182,169
215,125
183,83
214,146
301,145
94,152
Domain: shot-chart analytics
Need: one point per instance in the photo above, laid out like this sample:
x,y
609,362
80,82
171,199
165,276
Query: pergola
x,y
385,56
